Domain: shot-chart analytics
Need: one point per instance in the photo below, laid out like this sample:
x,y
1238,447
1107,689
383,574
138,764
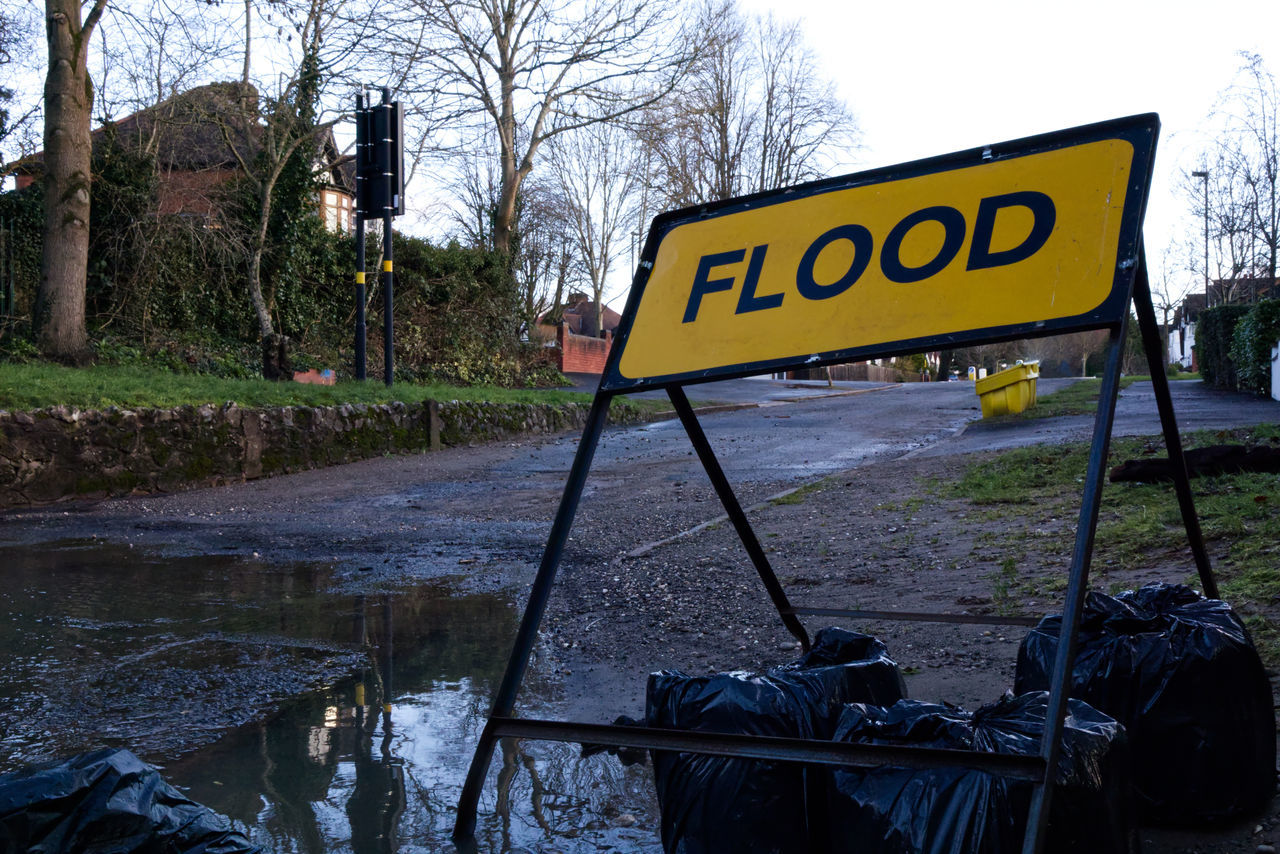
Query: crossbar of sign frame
x,y
1019,239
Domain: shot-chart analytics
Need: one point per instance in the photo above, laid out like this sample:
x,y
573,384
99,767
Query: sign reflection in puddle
x,y
376,763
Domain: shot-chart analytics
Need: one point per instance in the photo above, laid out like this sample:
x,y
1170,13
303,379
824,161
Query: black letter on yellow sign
x,y
890,262
861,240
747,300
703,286
1041,206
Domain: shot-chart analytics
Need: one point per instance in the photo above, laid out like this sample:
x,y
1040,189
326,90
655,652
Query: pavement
x,y
749,391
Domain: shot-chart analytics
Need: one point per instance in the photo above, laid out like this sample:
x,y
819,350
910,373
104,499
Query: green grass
x,y
1140,525
799,494
1079,398
34,386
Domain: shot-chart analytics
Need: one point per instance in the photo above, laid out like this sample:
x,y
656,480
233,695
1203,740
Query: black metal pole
x,y
736,515
1203,174
1077,586
527,635
361,332
388,345
1169,423
362,154
388,643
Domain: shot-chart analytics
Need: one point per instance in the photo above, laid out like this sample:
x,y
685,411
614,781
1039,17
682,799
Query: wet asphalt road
x,y
434,515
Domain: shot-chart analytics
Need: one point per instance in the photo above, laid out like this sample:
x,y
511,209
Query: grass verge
x,y
1140,526
1079,398
34,386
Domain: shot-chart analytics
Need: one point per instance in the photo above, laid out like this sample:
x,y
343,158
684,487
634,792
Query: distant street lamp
x,y
1205,177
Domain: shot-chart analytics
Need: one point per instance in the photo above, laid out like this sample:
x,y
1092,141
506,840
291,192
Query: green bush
x,y
169,292
1213,343
1251,343
22,218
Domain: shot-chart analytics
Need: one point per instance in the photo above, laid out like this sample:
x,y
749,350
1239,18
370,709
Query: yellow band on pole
x,y
360,278
386,266
359,693
386,707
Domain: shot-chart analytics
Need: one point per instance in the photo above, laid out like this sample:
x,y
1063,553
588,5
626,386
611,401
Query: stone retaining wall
x,y
60,452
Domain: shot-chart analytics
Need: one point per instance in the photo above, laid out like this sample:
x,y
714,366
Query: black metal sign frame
x,y
1131,289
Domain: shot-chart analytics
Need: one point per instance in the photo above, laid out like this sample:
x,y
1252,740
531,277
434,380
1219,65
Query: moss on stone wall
x,y
61,452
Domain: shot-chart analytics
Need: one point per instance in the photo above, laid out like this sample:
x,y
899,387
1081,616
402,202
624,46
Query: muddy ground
x,y
876,537
633,595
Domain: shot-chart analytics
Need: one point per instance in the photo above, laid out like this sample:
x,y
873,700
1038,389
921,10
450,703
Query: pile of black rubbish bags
x,y
1170,721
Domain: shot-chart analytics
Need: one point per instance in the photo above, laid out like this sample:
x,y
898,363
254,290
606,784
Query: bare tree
x,y
533,69
1233,242
803,118
1241,195
68,103
701,137
597,176
1168,280
753,114
154,51
17,114
1071,350
547,262
1251,148
478,192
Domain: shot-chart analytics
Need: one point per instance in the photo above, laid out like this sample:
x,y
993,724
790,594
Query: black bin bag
x,y
108,802
958,811
713,804
1181,673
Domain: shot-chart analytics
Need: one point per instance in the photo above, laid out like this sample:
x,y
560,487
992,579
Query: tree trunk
x,y
505,214
275,358
68,96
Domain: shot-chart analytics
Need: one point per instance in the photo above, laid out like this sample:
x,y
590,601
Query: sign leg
x,y
527,635
1077,586
735,513
1168,422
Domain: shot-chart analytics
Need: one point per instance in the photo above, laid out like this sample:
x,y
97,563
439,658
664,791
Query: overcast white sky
x,y
927,77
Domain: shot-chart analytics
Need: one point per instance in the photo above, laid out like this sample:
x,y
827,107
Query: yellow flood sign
x,y
1017,239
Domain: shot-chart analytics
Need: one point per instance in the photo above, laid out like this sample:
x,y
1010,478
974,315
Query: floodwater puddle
x,y
109,646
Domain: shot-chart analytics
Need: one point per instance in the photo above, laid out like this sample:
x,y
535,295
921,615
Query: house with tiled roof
x,y
192,135
571,329
1242,290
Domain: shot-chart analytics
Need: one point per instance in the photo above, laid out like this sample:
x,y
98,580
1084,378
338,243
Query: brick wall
x,y
582,354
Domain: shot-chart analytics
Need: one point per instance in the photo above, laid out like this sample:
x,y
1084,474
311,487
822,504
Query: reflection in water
x,y
96,637
375,765
377,799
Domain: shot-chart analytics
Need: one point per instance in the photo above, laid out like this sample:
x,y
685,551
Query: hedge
x,y
1213,343
1251,343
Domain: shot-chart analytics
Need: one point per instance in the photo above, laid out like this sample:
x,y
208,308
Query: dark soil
x,y
876,537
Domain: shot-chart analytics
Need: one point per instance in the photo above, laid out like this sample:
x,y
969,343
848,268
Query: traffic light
x,y
379,155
